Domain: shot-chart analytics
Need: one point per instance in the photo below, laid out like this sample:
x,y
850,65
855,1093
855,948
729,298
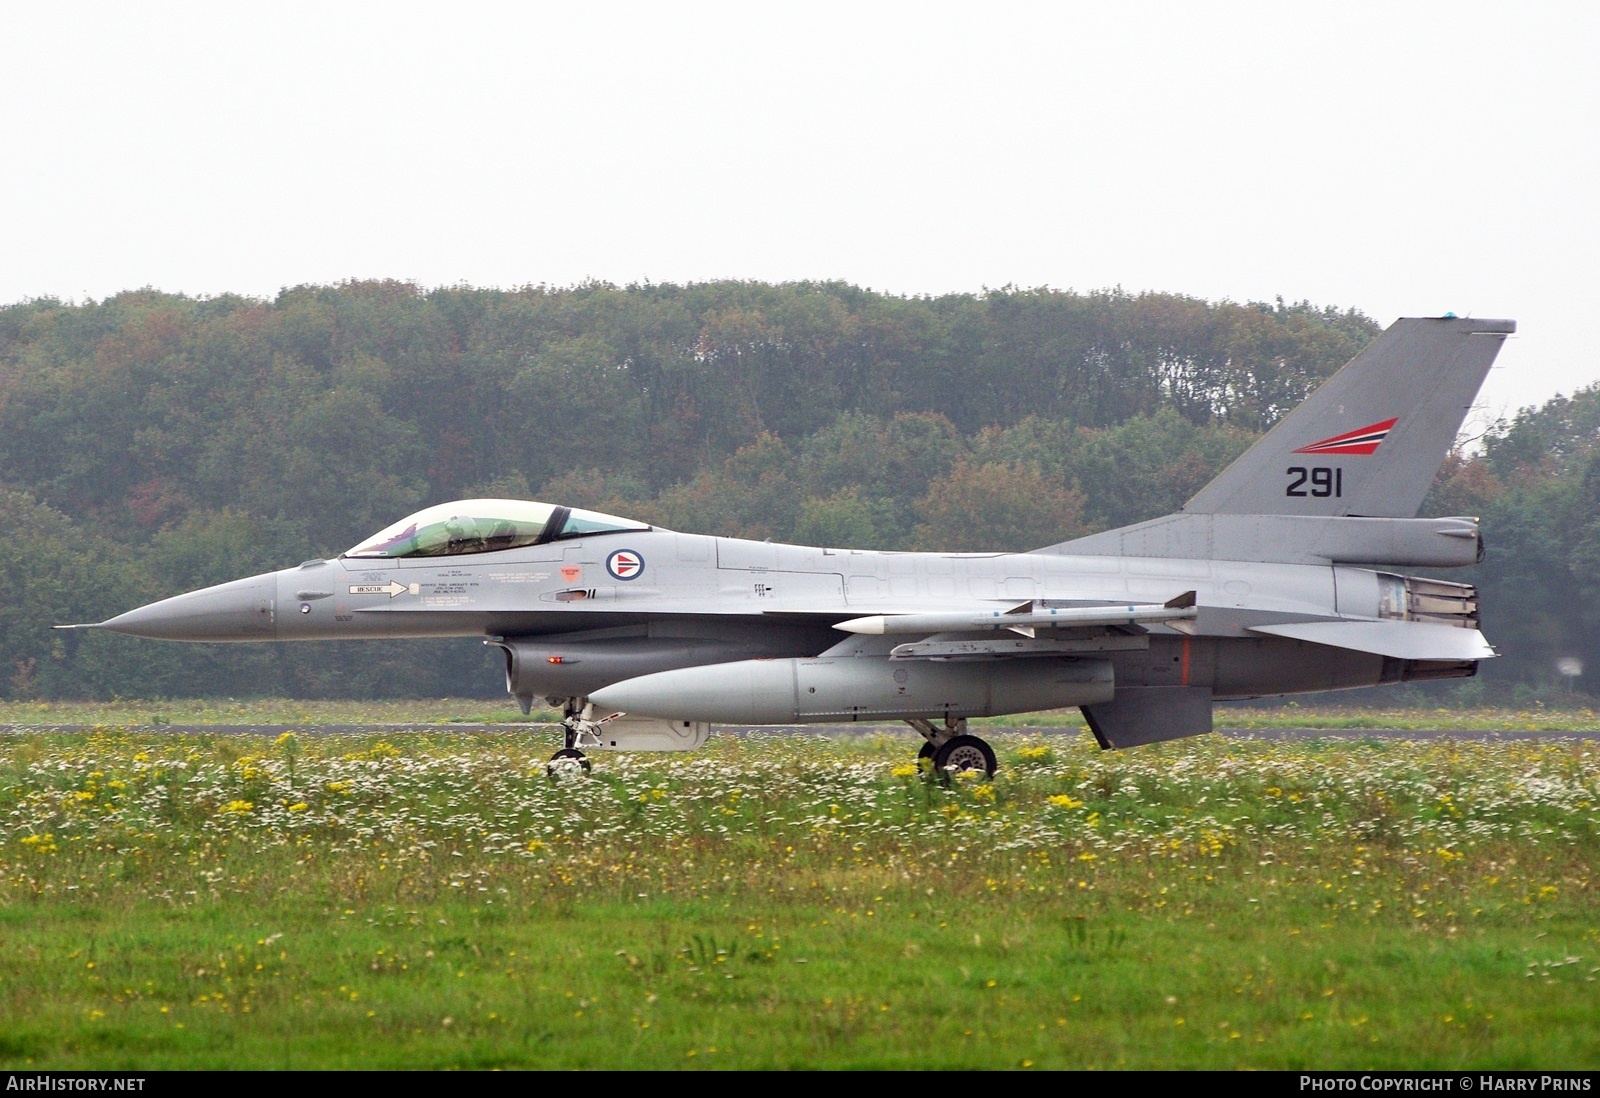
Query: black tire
x,y
964,753
568,753
925,752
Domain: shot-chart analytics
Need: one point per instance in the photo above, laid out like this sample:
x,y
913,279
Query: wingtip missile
x,y
873,626
1182,608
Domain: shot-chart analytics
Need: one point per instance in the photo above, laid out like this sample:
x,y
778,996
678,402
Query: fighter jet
x,y
1281,576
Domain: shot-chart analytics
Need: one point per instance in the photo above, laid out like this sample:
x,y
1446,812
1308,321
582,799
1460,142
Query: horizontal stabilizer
x,y
1402,640
1138,715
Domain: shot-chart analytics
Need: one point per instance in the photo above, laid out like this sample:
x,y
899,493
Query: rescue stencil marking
x,y
625,564
1363,440
571,572
391,588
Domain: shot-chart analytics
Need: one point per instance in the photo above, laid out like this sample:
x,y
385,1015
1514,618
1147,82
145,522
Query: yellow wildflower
x,y
40,844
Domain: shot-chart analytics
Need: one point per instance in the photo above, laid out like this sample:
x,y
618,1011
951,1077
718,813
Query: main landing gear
x,y
578,732
949,748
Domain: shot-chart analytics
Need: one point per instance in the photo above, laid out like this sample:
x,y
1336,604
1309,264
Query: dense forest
x,y
154,443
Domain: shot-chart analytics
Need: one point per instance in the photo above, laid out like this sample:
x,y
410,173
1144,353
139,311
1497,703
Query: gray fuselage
x,y
574,620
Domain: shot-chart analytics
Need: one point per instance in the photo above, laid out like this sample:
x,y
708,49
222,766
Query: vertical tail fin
x,y
1369,441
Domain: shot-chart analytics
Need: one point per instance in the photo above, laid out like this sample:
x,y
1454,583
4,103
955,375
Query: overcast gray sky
x,y
1401,159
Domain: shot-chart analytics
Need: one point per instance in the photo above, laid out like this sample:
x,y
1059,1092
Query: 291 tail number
x,y
1323,481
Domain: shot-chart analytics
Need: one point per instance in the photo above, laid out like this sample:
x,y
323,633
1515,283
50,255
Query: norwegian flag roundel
x,y
625,564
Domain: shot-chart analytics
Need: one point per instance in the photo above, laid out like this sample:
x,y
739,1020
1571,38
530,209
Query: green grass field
x,y
444,712
433,899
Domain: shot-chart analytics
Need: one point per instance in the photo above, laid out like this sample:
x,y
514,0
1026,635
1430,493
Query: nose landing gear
x,y
567,758
578,732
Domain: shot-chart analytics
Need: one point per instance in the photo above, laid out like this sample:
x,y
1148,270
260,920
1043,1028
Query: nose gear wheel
x,y
566,758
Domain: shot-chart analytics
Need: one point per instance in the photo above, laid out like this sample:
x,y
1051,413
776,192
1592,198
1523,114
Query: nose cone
x,y
244,610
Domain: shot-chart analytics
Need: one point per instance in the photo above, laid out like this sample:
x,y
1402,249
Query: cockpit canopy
x,y
484,526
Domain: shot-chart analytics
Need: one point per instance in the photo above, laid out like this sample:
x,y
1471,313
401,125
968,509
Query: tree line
x,y
152,443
